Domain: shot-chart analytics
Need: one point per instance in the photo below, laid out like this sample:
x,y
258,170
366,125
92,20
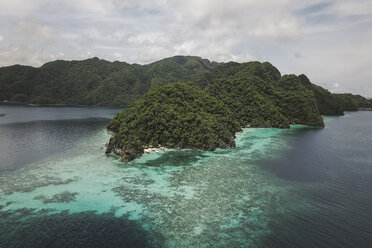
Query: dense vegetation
x,y
94,81
207,115
350,102
99,82
178,115
259,97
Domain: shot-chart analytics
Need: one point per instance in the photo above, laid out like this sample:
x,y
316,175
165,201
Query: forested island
x,y
178,102
206,113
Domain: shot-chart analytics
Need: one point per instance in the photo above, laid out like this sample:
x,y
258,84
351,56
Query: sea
x,y
297,187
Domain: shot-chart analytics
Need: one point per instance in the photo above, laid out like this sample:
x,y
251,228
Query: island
x,y
207,113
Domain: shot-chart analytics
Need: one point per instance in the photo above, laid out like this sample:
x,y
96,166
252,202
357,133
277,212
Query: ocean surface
x,y
300,187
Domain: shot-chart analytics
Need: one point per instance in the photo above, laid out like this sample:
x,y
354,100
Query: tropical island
x,y
178,102
206,114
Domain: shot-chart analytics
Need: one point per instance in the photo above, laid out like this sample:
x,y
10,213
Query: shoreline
x,y
151,149
60,105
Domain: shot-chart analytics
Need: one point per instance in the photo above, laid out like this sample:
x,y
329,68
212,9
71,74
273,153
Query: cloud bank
x,y
327,40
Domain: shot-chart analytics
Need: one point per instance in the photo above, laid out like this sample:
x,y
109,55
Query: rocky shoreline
x,y
129,155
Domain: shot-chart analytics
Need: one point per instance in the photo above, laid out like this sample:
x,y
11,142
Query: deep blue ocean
x,y
299,187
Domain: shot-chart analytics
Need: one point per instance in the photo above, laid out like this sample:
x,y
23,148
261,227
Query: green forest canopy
x,y
103,83
207,114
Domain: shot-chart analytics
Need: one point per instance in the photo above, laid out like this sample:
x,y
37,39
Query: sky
x,y
330,41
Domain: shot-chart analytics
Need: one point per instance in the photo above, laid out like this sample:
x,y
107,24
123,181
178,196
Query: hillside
x,y
259,96
178,115
183,115
223,99
103,83
207,115
94,81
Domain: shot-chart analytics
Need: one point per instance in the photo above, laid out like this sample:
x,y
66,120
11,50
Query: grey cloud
x,y
314,8
30,30
334,34
297,55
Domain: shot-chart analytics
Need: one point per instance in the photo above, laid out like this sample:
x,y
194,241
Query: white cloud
x,y
337,88
331,37
153,29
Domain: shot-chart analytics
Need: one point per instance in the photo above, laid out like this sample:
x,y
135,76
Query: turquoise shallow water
x,y
188,194
249,196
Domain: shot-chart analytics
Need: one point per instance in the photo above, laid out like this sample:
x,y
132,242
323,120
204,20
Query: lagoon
x,y
298,187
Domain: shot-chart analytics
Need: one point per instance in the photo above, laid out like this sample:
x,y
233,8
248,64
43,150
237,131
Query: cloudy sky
x,y
330,41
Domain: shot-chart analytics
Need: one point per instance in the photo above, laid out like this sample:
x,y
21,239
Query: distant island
x,y
95,81
178,102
